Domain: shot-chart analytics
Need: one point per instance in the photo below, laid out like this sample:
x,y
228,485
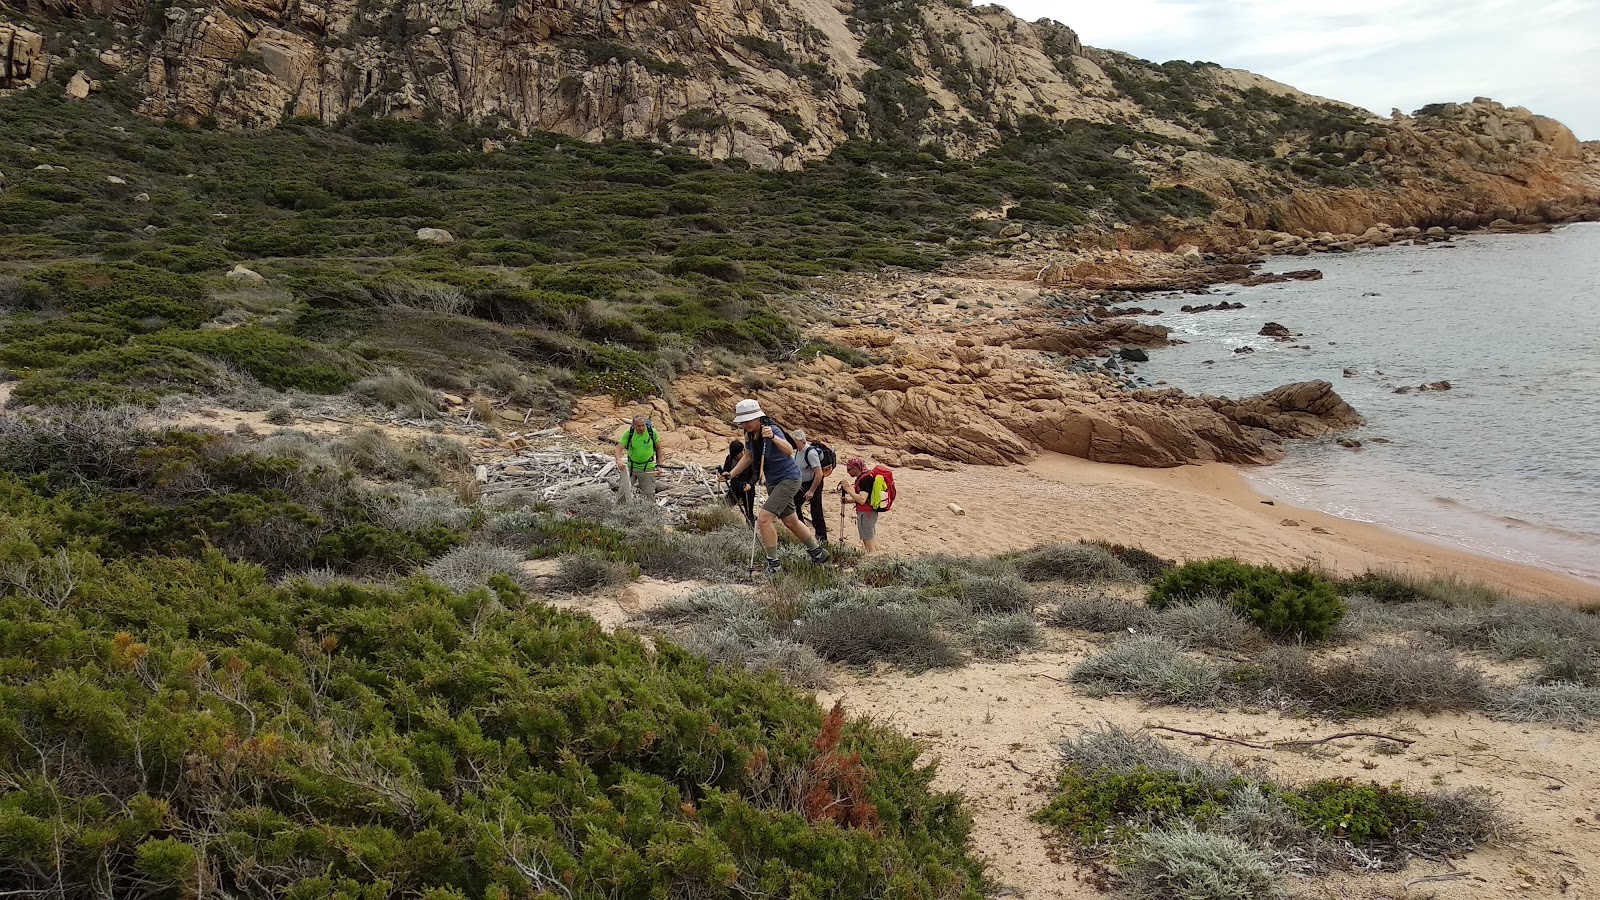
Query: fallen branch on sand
x,y
1276,745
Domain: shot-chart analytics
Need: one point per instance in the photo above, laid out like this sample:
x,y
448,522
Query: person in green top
x,y
639,455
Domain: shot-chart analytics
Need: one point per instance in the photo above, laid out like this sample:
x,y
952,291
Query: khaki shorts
x,y
867,525
780,498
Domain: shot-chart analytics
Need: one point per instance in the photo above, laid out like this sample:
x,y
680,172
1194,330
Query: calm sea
x,y
1506,463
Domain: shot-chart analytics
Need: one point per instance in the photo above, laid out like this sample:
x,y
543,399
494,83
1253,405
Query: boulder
x,y
79,86
1305,410
1435,386
244,276
116,179
435,236
1133,354
1274,330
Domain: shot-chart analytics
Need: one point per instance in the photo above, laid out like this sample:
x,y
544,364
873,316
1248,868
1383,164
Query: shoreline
x,y
1188,512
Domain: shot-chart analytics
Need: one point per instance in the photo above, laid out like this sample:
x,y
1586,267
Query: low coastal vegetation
x,y
1181,827
402,259
298,664
247,664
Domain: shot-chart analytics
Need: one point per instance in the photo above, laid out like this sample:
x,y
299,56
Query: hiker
x,y
769,453
808,456
872,491
638,457
741,490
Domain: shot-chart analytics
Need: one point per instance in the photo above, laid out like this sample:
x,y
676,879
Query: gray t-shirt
x,y
809,461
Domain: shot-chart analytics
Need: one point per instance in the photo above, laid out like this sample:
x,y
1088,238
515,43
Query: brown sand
x,y
993,728
1191,512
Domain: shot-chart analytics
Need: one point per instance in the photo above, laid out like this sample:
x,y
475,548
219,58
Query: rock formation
x,y
781,82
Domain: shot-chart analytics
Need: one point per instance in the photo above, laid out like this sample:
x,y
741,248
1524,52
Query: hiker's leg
x,y
647,485
867,527
769,532
819,516
748,504
799,530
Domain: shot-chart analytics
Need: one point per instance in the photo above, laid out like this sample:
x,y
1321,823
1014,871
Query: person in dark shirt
x,y
741,490
770,453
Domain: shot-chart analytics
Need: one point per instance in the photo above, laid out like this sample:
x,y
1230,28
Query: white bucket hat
x,y
745,411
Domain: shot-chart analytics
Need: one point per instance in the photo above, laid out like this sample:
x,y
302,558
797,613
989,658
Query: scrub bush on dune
x,y
1297,605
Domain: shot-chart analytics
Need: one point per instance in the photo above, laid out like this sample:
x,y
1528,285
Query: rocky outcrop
x,y
22,58
993,407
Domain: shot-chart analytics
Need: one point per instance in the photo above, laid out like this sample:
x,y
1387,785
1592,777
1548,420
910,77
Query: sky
x,y
1380,54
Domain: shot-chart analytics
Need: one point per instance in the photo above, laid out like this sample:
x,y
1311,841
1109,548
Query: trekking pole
x,y
755,529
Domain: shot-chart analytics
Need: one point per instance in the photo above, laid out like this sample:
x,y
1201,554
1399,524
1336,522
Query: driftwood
x,y
556,468
1276,745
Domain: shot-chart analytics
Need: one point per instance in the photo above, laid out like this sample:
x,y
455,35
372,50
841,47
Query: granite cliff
x,y
782,82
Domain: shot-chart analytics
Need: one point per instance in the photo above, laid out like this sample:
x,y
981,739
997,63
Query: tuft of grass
x,y
1074,562
1146,566
399,391
1571,705
1186,864
1209,623
995,593
472,565
794,663
1099,613
1404,587
584,573
1368,683
859,636
1152,668
1006,635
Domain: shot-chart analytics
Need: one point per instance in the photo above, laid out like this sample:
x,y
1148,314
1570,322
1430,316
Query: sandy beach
x,y
1188,512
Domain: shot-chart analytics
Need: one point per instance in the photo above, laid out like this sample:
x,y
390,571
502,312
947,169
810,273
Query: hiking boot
x,y
773,566
819,554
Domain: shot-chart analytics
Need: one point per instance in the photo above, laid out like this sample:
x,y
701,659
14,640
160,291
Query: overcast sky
x,y
1542,54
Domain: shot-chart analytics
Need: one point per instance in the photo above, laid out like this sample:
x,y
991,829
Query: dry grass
x,y
1184,864
1151,668
1566,704
1371,682
862,636
1100,613
400,392
583,573
1073,562
1003,637
472,565
1209,623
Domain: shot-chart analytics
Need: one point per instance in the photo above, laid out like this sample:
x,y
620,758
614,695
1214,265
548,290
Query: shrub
x,y
618,767
1192,865
583,573
1571,705
472,565
1151,668
399,391
277,360
1372,682
794,663
860,637
1299,605
1006,635
1401,587
1208,623
1146,565
994,593
1073,562
1361,814
1099,613
279,415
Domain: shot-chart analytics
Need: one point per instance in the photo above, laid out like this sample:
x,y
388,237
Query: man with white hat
x,y
771,451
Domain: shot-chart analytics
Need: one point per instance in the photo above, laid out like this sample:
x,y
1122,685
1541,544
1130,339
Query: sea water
x,y
1506,462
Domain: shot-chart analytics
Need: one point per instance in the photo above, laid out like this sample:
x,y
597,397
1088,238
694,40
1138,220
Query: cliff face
x,y
781,82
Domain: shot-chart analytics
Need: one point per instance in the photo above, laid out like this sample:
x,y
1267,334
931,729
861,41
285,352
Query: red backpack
x,y
886,502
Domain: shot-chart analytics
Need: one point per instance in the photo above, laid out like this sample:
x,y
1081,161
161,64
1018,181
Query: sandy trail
x,y
993,727
1190,512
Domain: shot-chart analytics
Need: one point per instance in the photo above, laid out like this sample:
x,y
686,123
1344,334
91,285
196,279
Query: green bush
x,y
277,360
325,738
1361,814
1298,605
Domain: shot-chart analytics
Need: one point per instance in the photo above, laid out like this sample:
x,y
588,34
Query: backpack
x,y
882,496
650,429
826,458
